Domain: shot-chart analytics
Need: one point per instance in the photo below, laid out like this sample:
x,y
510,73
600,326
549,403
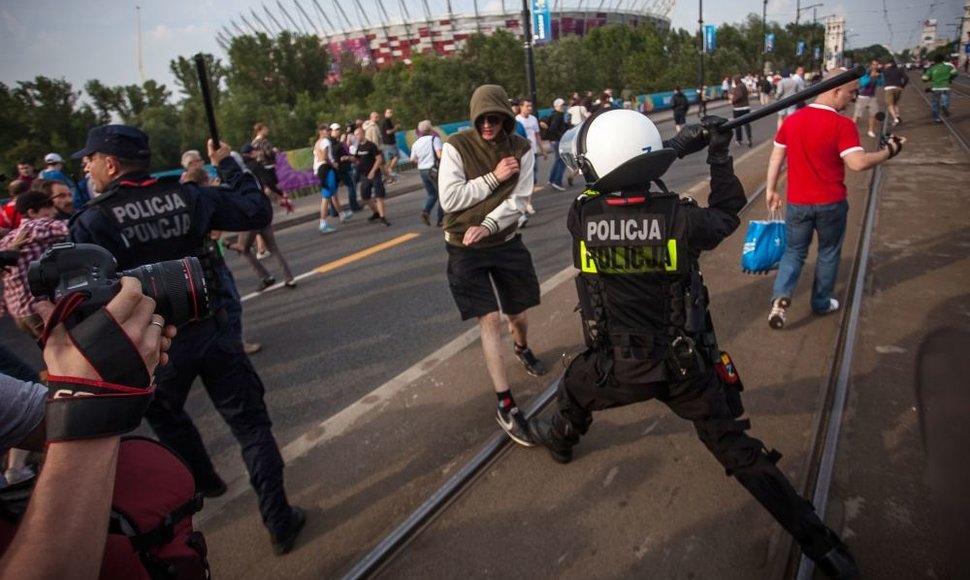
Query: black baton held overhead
x,y
802,95
210,112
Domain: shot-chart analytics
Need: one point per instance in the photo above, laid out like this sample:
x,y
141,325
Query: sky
x,y
78,41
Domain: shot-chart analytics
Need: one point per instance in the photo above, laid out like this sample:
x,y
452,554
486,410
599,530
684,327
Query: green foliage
x,y
281,81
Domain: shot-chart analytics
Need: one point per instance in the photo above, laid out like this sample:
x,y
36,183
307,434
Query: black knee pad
x,y
732,447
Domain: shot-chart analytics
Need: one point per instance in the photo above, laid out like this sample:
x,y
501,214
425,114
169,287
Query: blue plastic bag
x,y
763,246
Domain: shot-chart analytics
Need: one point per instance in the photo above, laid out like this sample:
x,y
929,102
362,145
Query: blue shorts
x,y
328,181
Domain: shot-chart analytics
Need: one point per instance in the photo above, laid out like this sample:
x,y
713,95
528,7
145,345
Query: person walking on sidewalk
x,y
426,155
557,127
679,105
740,106
940,75
644,309
894,81
819,143
485,180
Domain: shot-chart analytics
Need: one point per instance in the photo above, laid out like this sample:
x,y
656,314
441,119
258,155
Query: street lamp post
x,y
700,22
798,13
764,35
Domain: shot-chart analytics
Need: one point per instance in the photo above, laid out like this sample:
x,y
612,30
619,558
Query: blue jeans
x,y
800,221
432,189
558,168
345,176
938,98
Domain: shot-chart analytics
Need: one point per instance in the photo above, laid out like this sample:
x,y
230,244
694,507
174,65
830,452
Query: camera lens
x,y
178,287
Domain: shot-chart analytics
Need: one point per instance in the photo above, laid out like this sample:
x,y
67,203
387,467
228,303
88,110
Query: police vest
x,y
154,219
637,272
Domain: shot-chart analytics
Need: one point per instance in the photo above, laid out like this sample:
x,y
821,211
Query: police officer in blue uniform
x,y
142,220
645,313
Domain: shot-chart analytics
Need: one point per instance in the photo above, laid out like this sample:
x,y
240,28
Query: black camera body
x,y
177,286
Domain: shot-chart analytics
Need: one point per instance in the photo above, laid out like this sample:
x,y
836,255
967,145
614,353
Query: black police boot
x,y
284,543
837,562
557,435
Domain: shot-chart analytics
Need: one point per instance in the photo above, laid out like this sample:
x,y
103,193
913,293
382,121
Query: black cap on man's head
x,y
32,199
120,141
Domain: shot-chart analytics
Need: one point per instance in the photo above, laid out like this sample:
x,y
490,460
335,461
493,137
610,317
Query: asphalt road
x,y
340,334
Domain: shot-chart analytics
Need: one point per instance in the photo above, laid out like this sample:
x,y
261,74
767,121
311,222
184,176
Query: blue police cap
x,y
117,140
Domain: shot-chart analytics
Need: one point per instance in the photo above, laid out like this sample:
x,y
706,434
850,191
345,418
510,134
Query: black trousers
x,y
212,349
591,384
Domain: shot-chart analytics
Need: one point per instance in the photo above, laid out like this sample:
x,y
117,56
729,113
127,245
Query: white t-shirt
x,y
321,153
531,125
422,151
576,114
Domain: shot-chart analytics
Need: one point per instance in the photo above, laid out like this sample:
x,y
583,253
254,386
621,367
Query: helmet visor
x,y
568,147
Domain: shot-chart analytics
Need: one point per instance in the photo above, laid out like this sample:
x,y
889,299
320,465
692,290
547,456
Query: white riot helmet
x,y
616,149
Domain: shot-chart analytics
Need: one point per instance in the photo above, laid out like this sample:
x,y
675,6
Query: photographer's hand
x,y
101,366
71,501
133,311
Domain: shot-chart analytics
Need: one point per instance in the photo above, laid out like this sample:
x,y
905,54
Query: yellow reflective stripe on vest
x,y
587,261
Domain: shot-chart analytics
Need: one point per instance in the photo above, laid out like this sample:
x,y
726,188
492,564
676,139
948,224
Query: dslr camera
x,y
177,286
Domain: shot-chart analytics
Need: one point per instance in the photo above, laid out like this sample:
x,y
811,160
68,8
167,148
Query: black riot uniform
x,y
142,220
649,335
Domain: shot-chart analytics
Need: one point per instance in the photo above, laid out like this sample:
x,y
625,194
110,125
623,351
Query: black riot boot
x,y
836,562
556,435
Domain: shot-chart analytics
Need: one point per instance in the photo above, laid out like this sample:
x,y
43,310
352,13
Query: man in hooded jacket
x,y
484,181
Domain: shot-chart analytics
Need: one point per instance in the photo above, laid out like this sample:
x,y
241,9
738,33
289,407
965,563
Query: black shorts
x,y
680,117
375,187
477,275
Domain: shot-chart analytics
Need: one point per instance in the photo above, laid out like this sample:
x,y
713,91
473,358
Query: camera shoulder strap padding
x,y
81,408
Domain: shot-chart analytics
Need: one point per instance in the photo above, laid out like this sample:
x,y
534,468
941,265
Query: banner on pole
x,y
541,22
770,42
800,48
710,37
818,52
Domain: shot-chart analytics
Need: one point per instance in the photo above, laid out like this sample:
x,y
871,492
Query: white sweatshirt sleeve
x,y
456,193
509,211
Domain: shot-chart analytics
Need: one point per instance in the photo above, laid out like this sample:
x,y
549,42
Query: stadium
x,y
383,33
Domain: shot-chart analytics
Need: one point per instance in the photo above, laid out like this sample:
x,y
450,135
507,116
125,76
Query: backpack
x,y
567,117
150,535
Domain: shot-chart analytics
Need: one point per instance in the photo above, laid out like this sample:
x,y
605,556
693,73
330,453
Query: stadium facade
x,y
376,36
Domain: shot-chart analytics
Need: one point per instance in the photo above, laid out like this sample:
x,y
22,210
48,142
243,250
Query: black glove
x,y
718,152
892,142
691,139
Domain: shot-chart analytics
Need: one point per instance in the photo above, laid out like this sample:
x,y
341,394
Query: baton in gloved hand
x,y
210,112
802,95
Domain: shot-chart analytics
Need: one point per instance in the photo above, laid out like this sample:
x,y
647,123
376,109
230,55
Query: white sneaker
x,y
556,186
833,306
871,134
779,312
263,255
345,215
529,209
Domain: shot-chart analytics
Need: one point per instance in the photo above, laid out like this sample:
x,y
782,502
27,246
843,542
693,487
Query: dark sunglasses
x,y
491,119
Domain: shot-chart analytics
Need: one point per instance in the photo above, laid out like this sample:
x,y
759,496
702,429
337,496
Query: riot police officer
x,y
142,220
644,308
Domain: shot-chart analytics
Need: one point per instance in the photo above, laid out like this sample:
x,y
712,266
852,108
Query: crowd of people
x,y
482,181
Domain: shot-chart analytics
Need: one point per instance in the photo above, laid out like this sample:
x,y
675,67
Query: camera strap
x,y
82,408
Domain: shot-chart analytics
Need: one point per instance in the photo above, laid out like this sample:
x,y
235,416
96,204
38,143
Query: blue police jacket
x,y
143,220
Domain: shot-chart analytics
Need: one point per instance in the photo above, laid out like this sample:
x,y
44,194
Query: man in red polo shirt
x,y
819,144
